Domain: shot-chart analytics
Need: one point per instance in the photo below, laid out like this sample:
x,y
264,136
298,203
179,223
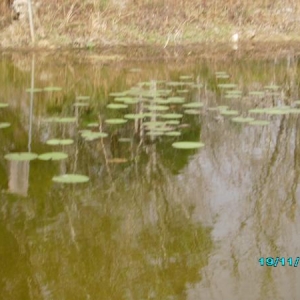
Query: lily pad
x,y
52,89
233,96
229,112
53,156
187,145
116,106
242,120
157,107
192,112
193,105
35,90
91,136
155,133
134,116
182,91
2,105
258,110
294,110
173,122
277,111
186,77
71,178
173,133
4,125
115,121
94,124
21,156
54,142
259,122
171,116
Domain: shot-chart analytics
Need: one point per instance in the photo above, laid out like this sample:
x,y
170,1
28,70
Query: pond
x,y
159,179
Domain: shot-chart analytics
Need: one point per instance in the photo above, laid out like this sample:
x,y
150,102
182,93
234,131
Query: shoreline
x,y
221,50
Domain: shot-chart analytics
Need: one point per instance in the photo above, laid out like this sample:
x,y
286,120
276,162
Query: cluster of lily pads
x,y
249,117
49,156
156,108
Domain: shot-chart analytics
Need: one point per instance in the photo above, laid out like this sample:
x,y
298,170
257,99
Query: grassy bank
x,y
92,23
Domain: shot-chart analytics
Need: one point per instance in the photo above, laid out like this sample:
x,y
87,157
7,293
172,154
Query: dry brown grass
x,y
90,23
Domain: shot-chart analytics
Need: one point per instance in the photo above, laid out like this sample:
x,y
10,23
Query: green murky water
x,y
152,218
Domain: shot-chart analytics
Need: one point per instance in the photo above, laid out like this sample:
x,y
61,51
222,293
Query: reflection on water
x,y
153,222
19,177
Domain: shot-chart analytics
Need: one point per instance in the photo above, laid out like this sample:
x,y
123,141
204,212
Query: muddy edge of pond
x,y
261,50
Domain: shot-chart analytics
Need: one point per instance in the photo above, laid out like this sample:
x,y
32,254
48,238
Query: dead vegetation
x,y
90,23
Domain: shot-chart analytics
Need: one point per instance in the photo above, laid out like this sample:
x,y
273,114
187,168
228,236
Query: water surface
x,y
152,222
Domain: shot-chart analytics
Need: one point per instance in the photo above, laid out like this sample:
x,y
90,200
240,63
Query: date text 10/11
x,y
274,262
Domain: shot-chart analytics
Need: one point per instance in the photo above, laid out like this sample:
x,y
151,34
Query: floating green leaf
x,y
116,106
4,125
122,99
173,122
242,120
52,89
192,112
187,145
94,124
115,121
274,111
21,156
157,107
229,112
134,116
259,122
171,116
53,156
54,142
233,96
182,91
186,77
173,133
193,105
91,136
71,178
155,133
34,90
258,110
